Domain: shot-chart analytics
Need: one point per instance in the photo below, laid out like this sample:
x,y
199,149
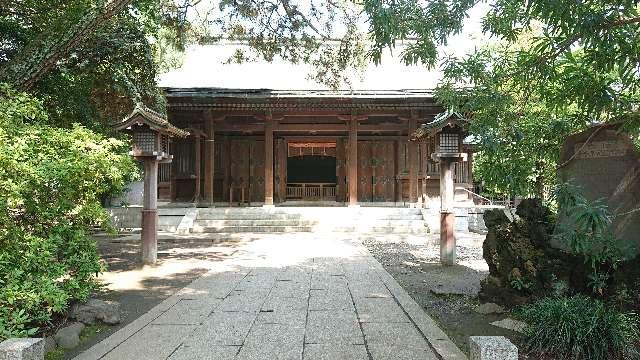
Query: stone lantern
x,y
448,129
150,133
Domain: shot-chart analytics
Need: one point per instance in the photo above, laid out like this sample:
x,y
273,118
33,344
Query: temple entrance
x,y
311,172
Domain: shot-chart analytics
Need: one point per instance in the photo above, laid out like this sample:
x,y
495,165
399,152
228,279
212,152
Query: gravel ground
x,y
447,293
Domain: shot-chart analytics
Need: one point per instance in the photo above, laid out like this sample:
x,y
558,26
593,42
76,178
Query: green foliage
x,y
579,327
95,82
51,182
585,227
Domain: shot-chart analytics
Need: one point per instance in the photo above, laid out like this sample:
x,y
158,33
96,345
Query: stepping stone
x,y
511,324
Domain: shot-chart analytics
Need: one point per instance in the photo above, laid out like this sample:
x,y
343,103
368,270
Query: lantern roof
x,y
142,115
442,120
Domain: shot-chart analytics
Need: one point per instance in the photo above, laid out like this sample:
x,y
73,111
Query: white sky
x,y
204,67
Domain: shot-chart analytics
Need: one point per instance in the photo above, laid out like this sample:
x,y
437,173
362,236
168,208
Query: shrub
x,y
579,327
51,180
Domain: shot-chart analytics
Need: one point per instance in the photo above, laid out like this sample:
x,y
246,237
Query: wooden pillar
x,y
209,160
279,168
413,163
173,187
268,162
149,234
340,170
353,161
197,167
447,214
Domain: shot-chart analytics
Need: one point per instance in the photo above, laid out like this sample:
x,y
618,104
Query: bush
x,y
51,180
579,327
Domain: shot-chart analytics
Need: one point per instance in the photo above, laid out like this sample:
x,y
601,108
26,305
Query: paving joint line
x,y
355,309
306,316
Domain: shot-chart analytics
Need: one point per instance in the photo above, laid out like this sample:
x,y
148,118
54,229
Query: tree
x,y
556,67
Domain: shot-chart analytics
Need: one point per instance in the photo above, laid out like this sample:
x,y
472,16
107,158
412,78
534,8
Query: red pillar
x,y
413,162
268,162
353,161
149,234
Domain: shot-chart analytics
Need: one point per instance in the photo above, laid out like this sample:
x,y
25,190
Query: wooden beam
x,y
227,127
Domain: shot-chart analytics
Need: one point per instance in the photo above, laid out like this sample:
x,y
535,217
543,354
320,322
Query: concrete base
x,y
271,206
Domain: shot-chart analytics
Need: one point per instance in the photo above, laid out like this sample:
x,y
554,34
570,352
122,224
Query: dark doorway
x,y
311,169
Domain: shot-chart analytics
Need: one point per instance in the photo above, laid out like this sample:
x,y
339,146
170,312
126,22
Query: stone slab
x,y
275,332
223,328
188,312
492,348
271,351
22,349
400,352
394,334
152,342
209,352
384,310
510,324
330,300
333,327
335,351
604,163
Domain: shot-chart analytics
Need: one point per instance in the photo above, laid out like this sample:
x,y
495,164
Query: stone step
x,y
251,229
252,222
306,217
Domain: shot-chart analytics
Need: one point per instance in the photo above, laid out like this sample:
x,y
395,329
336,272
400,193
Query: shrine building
x,y
254,143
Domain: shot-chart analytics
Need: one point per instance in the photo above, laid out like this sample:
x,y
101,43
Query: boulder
x,y
106,311
49,344
489,308
69,336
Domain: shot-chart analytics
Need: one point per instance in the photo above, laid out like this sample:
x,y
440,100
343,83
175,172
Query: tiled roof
x,y
440,121
152,118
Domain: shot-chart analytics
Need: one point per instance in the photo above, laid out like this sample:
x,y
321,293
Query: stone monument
x,y
603,161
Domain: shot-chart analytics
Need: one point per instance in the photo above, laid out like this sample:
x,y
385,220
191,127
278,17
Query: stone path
x,y
289,296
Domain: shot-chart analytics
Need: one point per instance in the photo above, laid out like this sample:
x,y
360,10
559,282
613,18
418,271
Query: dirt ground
x,y
448,294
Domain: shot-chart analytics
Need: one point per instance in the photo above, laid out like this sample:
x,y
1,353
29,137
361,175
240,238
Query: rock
x,y
49,344
492,348
22,349
106,311
69,336
489,308
510,324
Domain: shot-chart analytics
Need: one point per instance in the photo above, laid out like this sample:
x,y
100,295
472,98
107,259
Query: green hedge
x,y
51,180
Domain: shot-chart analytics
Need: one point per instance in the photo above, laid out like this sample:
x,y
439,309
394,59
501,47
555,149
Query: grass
x,y
579,327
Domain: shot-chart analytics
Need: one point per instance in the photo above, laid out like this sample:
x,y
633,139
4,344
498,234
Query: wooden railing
x,y
311,191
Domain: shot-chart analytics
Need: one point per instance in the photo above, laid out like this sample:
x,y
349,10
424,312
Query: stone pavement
x,y
285,296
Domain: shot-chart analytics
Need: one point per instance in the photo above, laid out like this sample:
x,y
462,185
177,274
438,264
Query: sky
x,y
203,66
